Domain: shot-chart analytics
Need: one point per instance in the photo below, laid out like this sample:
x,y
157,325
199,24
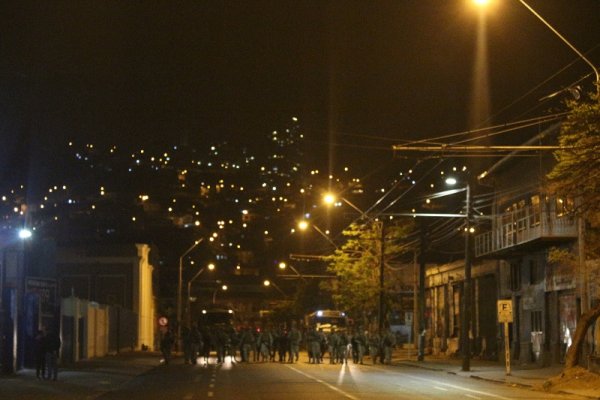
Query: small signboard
x,y
505,313
45,288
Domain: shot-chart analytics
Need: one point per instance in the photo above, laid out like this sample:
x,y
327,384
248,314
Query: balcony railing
x,y
522,226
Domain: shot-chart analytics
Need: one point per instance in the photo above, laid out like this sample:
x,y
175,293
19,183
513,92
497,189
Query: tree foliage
x,y
577,171
577,175
357,264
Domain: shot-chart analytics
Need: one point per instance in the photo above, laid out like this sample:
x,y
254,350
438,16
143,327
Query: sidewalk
x,y
86,379
530,376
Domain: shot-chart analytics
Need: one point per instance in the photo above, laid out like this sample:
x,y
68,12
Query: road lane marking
x,y
212,385
431,381
188,397
336,389
473,397
210,394
441,388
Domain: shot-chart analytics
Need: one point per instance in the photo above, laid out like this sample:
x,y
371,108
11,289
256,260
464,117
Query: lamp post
x,y
269,283
214,298
465,325
483,3
283,265
210,267
565,41
180,284
304,224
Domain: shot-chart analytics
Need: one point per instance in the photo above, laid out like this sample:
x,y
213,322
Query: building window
x,y
564,207
515,276
536,321
535,216
534,272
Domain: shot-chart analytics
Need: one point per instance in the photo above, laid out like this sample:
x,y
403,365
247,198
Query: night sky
x,y
356,73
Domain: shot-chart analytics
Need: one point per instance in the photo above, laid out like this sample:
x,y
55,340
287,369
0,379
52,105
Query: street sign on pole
x,y
505,313
505,316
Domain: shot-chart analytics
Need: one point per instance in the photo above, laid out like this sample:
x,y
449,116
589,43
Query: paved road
x,y
303,381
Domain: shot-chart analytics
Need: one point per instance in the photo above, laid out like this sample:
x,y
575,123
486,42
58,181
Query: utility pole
x,y
381,278
421,305
466,304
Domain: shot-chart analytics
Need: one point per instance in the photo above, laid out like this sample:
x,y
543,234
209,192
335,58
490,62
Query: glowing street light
x,y
331,199
268,283
25,234
303,225
223,288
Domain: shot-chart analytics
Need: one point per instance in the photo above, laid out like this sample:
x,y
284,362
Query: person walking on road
x,y
361,344
388,343
374,343
295,339
166,345
333,340
40,354
342,348
52,346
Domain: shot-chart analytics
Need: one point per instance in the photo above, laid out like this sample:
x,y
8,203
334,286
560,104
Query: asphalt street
x,y
302,381
141,375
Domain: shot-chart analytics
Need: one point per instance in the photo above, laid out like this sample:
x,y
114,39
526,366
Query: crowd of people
x,y
281,345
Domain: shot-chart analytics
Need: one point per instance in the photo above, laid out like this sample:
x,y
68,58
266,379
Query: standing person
x,y
314,347
52,347
295,339
266,342
342,348
246,344
388,343
166,345
187,344
257,339
333,340
195,343
283,345
40,354
354,346
361,343
221,340
374,343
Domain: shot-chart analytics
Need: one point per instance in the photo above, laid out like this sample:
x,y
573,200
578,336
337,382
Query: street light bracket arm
x,y
583,57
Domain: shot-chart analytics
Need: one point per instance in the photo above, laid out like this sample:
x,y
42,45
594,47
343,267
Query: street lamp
x,y
561,37
268,283
565,41
180,284
214,298
303,225
330,199
210,267
465,325
25,234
